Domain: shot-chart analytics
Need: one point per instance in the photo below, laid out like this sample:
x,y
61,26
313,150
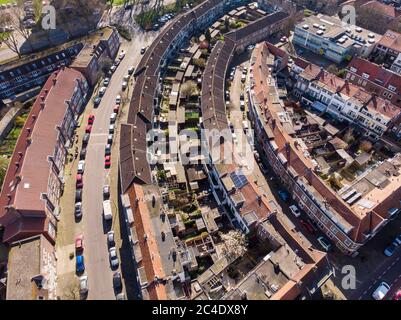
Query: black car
x,y
96,102
107,150
117,284
78,195
82,154
85,139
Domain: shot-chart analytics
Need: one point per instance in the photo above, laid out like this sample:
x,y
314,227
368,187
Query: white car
x,y
113,257
143,49
118,99
83,285
81,166
122,55
381,291
326,245
102,91
111,128
295,211
124,85
113,68
131,70
110,238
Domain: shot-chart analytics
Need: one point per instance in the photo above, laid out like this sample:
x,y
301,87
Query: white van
x,y
107,213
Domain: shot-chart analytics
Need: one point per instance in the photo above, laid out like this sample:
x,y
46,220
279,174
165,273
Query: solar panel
x,y
239,179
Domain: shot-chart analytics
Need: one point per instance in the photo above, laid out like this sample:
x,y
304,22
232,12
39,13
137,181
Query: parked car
x,y
79,264
120,296
113,257
102,91
307,226
106,82
79,243
143,49
107,162
295,211
117,283
116,108
113,117
96,101
381,291
110,139
82,154
124,85
131,70
106,192
111,128
397,295
283,195
389,251
78,210
113,68
81,166
121,55
107,150
83,286
110,239
91,119
88,128
118,99
398,239
78,195
79,181
325,243
85,139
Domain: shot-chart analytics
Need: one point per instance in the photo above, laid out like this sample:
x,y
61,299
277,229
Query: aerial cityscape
x,y
200,150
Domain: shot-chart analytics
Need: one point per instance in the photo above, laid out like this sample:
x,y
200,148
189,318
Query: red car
x,y
107,161
91,119
79,243
116,108
88,128
397,295
308,226
80,181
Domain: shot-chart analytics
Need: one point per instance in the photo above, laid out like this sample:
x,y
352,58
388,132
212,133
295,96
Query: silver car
x,y
113,257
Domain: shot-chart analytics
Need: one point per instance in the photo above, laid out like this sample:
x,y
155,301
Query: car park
x,y
110,239
82,154
85,139
78,210
117,283
83,286
113,258
79,264
107,149
78,195
325,243
106,82
91,119
79,181
295,211
107,162
79,243
88,128
381,291
106,192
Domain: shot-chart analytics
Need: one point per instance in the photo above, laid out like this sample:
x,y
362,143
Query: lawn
x,y
6,1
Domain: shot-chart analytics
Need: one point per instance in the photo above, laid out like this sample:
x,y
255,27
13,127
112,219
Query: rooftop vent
x,y
358,29
305,26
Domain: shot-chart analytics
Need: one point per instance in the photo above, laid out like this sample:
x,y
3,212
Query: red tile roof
x,y
382,8
392,40
24,184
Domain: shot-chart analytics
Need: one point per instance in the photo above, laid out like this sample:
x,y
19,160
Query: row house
x,y
345,101
375,79
389,48
29,200
347,227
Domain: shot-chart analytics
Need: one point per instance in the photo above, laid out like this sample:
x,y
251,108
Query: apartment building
x,y
389,49
374,78
349,216
346,102
325,35
34,180
22,79
103,45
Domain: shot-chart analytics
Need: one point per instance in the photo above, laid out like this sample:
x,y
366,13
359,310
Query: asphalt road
x,y
95,229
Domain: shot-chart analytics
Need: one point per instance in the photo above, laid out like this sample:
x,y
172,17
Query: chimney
x,y
54,81
42,105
